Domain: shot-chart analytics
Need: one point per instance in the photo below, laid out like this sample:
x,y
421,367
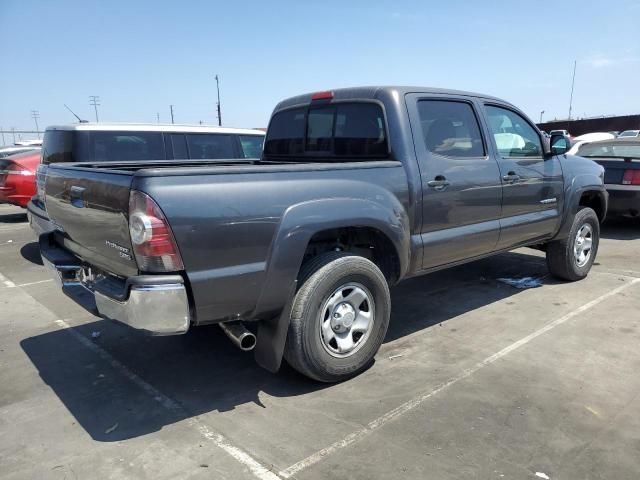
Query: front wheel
x,y
572,258
339,317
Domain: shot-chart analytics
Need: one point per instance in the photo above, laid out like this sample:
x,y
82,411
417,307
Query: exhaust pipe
x,y
239,335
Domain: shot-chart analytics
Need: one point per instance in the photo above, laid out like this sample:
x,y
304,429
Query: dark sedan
x,y
620,158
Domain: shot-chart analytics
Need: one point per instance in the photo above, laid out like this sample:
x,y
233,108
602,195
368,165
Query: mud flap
x,y
272,336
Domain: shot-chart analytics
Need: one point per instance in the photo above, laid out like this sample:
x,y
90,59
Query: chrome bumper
x,y
160,308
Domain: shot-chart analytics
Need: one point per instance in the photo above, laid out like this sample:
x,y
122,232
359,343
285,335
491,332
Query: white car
x,y
588,138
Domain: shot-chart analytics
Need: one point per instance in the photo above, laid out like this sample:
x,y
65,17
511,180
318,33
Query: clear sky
x,y
141,56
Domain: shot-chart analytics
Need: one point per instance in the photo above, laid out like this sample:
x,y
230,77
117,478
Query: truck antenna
x,y
79,119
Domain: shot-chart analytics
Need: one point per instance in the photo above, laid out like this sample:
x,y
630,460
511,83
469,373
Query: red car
x,y
18,177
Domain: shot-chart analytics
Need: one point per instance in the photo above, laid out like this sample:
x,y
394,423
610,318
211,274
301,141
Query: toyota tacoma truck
x,y
357,189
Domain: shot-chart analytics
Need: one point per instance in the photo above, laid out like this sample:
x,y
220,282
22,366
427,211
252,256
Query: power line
x,y
95,101
219,111
36,115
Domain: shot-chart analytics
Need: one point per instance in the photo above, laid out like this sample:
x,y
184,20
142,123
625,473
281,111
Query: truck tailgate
x,y
90,210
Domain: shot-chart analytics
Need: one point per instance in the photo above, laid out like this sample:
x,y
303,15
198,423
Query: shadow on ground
x,y
203,372
13,218
621,228
31,252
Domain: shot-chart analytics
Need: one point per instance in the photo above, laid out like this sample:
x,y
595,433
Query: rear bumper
x,y
157,304
38,219
624,199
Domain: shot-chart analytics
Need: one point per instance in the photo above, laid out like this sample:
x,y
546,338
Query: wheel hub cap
x,y
346,319
583,244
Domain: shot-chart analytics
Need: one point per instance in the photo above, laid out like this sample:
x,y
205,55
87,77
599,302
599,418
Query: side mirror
x,y
559,144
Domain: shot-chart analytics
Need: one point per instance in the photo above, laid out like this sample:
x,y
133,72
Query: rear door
x,y
532,184
462,192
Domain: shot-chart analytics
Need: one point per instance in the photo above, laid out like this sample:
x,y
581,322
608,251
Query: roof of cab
x,y
376,91
153,127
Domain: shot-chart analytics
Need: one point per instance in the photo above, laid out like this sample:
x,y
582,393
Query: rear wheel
x,y
339,317
572,258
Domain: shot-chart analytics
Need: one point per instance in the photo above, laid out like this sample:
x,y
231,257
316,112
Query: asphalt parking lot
x,y
476,379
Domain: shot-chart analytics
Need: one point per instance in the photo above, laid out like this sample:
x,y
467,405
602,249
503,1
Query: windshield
x,y
608,149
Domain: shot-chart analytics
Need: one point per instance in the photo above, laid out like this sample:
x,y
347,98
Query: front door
x,y
532,184
461,188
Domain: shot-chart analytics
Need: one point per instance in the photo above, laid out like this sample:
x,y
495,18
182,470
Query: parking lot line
x,y
412,404
256,468
6,282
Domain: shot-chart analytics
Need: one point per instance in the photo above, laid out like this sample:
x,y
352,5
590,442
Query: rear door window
x,y
251,145
334,132
450,129
210,146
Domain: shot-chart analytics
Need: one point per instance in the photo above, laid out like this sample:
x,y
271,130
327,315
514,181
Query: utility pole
x,y
219,111
36,115
541,113
95,101
2,130
573,81
158,116
171,109
13,131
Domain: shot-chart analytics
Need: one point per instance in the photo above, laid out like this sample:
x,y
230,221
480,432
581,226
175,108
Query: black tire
x,y
319,278
561,260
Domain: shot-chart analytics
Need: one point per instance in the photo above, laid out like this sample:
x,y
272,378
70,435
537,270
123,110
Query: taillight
x,y
15,169
153,243
631,177
40,180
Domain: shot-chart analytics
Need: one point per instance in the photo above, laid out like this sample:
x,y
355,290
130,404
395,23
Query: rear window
x,y
57,146
613,150
332,132
251,145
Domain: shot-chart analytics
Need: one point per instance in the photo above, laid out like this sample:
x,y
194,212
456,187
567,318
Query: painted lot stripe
x,y
256,468
6,282
411,404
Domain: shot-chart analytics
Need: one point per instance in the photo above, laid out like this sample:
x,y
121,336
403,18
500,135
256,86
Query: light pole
x,y
573,81
219,111
95,101
541,113
171,109
35,115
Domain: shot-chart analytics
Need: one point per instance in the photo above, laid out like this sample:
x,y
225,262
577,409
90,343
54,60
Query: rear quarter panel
x,y
225,224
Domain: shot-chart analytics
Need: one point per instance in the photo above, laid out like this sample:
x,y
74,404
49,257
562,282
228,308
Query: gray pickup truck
x,y
357,189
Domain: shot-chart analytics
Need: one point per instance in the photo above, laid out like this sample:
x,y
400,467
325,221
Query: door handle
x,y
439,183
511,177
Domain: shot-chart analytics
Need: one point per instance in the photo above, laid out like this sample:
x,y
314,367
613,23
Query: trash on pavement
x,y
95,334
542,475
522,283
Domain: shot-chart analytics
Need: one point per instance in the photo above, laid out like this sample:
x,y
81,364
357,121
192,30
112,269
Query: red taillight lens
x,y
322,96
631,177
151,237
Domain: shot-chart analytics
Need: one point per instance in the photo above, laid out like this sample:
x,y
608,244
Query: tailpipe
x,y
239,335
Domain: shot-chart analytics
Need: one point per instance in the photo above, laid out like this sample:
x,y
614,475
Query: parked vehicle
x,y
93,142
629,134
8,151
357,189
588,138
18,178
621,161
29,143
560,132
